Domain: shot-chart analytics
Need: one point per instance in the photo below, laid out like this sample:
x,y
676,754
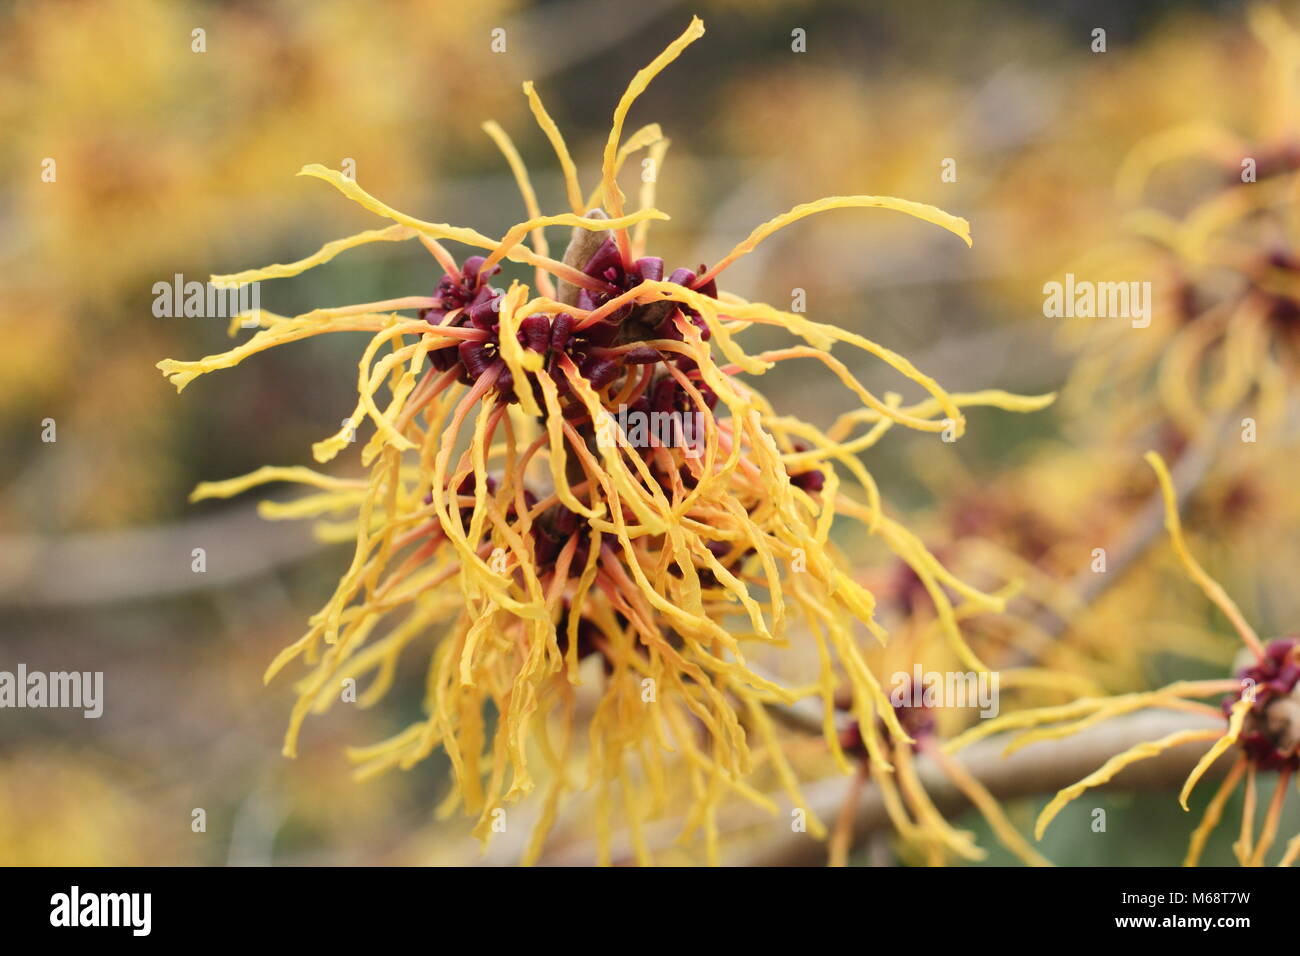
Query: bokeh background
x,y
173,161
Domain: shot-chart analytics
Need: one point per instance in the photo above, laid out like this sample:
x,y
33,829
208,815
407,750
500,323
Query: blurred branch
x,y
1035,770
1189,472
38,571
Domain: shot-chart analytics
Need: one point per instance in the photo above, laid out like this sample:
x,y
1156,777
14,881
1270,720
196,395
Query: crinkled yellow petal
x,y
522,180
613,196
1211,587
321,256
267,474
1235,720
1214,812
932,214
570,171
1111,768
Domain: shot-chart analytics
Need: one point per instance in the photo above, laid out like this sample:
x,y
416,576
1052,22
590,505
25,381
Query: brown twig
x,y
146,563
1188,473
1034,770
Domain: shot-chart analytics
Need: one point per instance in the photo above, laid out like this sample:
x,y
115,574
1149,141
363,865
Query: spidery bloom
x,y
510,512
1260,713
923,833
1225,328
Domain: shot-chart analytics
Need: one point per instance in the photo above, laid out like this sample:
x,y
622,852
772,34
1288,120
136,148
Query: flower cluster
x,y
1226,327
1270,732
507,511
1260,716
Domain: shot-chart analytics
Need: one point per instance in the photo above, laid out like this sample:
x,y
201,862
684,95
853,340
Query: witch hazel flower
x,y
1259,717
497,536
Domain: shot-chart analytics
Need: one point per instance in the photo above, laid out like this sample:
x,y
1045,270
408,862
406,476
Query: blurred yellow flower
x,y
1261,715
